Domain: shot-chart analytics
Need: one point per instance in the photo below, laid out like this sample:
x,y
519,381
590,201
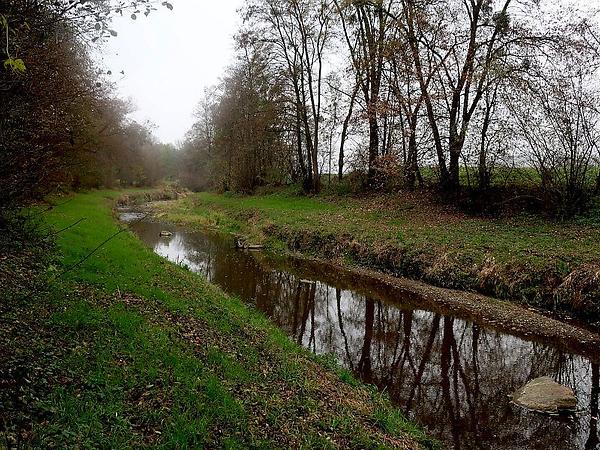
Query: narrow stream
x,y
450,375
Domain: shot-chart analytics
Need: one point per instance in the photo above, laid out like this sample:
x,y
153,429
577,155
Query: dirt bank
x,y
527,323
331,251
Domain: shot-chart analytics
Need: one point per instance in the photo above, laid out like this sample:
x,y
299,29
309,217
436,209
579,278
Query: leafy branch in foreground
x,y
15,64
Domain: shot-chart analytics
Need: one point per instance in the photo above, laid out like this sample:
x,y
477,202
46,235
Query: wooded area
x,y
395,94
480,99
61,128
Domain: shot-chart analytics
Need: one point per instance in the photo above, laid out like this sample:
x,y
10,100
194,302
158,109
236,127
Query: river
x,y
453,376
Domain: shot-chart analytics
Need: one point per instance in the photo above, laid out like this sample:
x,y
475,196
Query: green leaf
x,y
16,65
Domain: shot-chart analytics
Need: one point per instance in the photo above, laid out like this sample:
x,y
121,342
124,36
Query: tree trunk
x,y
411,163
483,170
484,175
308,179
316,178
345,127
299,144
341,155
452,183
373,148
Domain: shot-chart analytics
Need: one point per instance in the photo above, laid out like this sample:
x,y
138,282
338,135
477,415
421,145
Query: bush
x,y
27,255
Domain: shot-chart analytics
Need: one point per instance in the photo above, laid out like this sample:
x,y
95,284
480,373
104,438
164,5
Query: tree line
x,y
464,95
61,128
405,93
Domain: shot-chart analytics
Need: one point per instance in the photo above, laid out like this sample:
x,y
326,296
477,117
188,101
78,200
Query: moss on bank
x,y
124,350
526,259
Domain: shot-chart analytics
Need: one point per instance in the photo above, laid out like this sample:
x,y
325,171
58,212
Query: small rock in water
x,y
545,395
165,234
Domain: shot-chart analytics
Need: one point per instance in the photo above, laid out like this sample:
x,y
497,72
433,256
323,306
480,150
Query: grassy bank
x,y
122,349
526,259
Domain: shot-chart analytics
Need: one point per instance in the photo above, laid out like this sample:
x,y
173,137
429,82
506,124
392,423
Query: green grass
x,y
146,354
407,221
409,235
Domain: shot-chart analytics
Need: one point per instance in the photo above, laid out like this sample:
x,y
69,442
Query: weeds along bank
x,y
555,266
119,348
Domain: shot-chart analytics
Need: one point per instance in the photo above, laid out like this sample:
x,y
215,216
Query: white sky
x,y
169,58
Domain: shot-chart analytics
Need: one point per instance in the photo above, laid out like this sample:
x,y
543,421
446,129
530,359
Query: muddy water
x,y
451,375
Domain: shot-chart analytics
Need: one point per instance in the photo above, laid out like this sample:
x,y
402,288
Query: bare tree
x,y
559,124
366,27
300,32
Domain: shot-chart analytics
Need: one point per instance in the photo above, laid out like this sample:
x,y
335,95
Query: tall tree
x,y
366,27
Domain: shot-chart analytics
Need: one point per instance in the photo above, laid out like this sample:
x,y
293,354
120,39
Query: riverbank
x,y
525,259
428,348
119,348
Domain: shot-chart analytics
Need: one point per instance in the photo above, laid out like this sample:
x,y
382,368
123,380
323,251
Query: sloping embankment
x,y
549,284
122,349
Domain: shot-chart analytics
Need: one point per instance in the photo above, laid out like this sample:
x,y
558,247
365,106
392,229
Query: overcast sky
x,y
169,58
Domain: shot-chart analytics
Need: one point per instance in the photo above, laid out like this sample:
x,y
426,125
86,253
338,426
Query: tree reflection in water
x,y
451,375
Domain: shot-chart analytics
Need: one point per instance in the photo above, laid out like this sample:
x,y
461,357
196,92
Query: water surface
x,y
451,375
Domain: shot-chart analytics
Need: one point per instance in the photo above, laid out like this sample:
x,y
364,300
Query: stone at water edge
x,y
545,395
